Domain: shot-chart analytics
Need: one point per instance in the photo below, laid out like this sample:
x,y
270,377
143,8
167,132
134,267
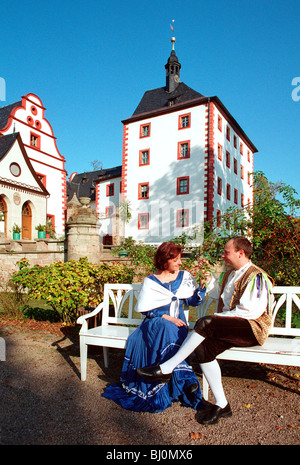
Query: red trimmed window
x,y
183,185
248,155
241,148
145,130
235,196
228,133
242,200
35,141
182,218
109,211
220,152
235,165
143,221
183,150
219,186
42,178
144,157
227,159
219,123
143,190
228,191
110,190
184,121
235,141
218,218
242,172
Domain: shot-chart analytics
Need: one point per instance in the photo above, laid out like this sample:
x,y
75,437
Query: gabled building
x,y
23,196
185,160
27,117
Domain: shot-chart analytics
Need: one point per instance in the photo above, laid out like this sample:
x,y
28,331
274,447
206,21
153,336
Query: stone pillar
x,y
83,239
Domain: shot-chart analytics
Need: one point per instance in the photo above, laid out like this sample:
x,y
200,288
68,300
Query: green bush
x,y
68,286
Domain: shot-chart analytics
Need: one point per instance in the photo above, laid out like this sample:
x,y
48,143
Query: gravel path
x,y
44,402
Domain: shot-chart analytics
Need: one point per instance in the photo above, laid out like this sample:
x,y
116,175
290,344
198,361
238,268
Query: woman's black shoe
x,y
154,374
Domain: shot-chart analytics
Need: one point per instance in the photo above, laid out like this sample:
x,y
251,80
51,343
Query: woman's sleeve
x,y
197,297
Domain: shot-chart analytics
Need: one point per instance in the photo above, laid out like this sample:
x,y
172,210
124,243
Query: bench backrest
x,y
119,302
123,297
287,298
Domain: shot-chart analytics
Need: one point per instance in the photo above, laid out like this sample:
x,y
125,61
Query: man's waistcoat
x,y
262,324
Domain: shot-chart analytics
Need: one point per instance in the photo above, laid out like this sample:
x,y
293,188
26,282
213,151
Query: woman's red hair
x,y
165,252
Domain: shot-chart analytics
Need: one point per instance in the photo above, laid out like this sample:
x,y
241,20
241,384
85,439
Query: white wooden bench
x,y
119,300
114,329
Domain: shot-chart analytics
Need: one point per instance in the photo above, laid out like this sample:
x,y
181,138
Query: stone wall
x,y
40,252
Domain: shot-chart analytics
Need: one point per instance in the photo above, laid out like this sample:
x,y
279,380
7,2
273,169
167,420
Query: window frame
x,y
140,185
141,157
108,188
140,216
142,126
179,146
179,218
38,140
183,178
180,118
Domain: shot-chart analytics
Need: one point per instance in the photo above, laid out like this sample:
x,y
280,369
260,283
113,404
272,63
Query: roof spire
x,y
173,38
172,67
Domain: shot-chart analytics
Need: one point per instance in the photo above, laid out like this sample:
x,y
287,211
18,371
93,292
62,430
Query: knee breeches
x,y
221,333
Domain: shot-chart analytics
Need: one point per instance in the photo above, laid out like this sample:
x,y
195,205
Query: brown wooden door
x,y
26,221
3,214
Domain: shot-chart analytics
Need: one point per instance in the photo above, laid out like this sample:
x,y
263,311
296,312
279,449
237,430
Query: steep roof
x,y
158,99
83,184
6,142
6,111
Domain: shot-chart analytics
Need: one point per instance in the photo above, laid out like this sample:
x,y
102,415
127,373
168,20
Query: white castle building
x,y
185,160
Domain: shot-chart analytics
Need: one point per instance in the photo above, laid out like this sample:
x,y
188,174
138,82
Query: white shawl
x,y
153,295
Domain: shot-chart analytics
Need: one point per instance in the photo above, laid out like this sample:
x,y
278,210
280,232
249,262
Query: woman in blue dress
x,y
158,338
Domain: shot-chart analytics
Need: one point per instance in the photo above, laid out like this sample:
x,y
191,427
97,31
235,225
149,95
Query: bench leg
x,y
205,387
83,358
105,356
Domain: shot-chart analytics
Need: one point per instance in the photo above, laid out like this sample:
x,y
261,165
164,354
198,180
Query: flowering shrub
x,y
69,286
199,268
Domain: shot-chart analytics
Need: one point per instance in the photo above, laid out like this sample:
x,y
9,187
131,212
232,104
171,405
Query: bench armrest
x,y
82,319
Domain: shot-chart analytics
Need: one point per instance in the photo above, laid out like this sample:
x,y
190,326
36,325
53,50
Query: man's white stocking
x,y
188,346
212,373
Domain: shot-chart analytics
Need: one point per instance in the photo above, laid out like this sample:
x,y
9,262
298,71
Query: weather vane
x,y
173,38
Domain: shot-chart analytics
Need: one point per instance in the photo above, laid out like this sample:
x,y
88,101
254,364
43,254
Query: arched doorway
x,y
26,221
3,216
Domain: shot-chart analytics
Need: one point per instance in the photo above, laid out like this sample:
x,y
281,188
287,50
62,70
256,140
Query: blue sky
x,y
91,62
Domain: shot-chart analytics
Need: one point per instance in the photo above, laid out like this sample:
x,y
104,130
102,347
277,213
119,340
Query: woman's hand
x,y
174,320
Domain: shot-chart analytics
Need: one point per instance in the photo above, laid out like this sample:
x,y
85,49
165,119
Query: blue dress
x,y
155,341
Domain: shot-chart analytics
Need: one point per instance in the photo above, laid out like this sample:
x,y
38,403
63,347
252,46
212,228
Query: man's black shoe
x,y
213,414
191,388
154,374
